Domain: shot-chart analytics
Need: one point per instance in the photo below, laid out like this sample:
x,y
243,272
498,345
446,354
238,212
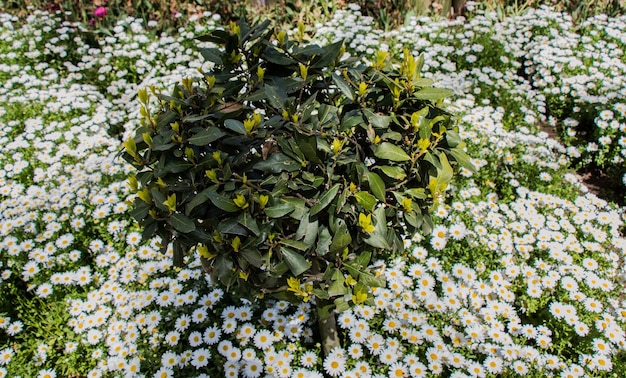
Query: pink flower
x,y
100,12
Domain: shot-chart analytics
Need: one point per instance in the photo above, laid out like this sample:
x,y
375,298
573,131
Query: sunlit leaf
x,y
377,186
433,94
366,200
391,152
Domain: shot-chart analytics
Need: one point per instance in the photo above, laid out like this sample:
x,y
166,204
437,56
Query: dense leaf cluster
x,y
289,167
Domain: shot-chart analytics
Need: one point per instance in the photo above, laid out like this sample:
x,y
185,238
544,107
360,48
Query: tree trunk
x,y
446,5
327,325
457,6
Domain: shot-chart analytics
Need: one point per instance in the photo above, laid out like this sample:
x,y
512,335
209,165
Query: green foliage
x,y
46,334
579,10
290,169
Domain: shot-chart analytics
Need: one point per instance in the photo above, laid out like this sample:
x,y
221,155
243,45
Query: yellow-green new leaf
x,y
131,147
366,200
365,221
236,243
170,202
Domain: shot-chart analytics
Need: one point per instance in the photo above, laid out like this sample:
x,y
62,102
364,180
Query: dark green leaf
x,y
177,166
219,37
159,199
377,120
325,199
394,172
224,269
327,115
231,226
149,229
235,125
300,246
392,135
140,211
432,160
349,122
309,51
307,230
162,142
341,240
275,96
300,209
274,56
256,31
323,244
197,200
181,223
253,257
280,269
296,262
164,119
343,86
290,148
246,220
381,221
329,54
196,118
308,146
280,210
222,202
378,238
413,219
323,312
352,269
278,162
377,185
206,136
320,293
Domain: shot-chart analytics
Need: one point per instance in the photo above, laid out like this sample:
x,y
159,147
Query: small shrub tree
x,y
289,168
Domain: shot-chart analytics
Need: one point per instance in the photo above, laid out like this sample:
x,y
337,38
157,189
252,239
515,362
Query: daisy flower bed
x,y
523,274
